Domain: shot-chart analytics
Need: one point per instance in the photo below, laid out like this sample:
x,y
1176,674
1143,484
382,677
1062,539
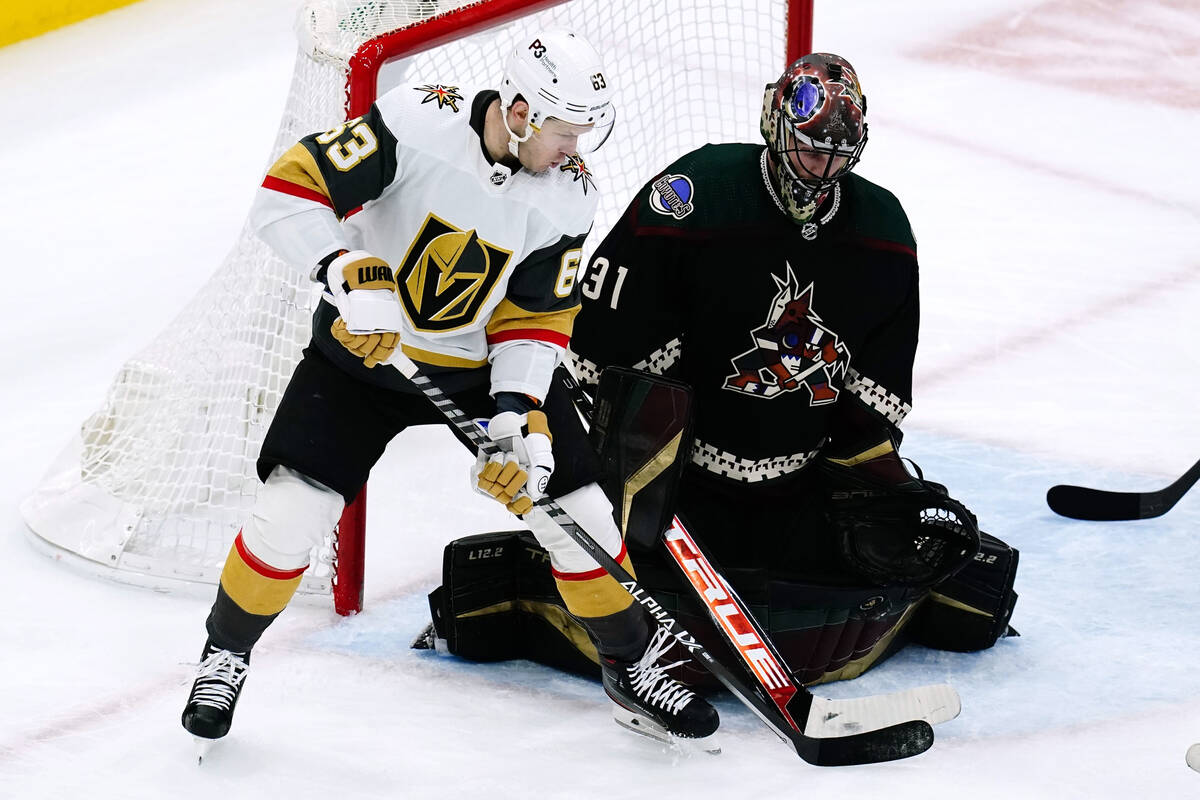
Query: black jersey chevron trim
x,y
662,359
726,464
875,396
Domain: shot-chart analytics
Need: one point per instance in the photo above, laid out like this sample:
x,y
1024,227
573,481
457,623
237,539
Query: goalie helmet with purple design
x,y
814,123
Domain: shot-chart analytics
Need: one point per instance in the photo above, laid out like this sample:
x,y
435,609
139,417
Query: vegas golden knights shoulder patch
x,y
446,96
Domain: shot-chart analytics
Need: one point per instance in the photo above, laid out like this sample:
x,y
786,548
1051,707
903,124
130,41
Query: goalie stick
x,y
900,740
1079,502
775,680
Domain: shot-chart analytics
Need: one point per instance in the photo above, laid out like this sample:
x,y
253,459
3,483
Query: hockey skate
x,y
650,702
219,680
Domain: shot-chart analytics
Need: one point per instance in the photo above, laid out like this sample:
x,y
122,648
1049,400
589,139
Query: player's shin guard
x,y
250,596
292,514
593,596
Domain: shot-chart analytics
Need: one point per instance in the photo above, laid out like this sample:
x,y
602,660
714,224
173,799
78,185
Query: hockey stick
x,y
816,717
902,740
734,621
1079,502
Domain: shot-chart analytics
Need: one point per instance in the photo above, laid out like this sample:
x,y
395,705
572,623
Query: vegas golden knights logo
x,y
447,275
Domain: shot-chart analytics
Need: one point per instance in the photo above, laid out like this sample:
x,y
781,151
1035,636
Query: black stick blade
x,y
1079,502
905,740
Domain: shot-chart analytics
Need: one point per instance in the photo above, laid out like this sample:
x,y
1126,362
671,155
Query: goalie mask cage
x,y
155,485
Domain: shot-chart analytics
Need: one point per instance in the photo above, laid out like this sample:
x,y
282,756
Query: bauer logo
x,y
671,195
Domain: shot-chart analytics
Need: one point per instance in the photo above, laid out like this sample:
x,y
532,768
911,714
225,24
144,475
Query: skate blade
x,y
644,726
202,746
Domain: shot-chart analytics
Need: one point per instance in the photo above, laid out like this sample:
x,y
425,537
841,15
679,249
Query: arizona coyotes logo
x,y
792,349
445,95
575,164
447,275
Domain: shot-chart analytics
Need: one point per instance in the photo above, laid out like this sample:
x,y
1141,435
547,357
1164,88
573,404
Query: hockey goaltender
x,y
781,288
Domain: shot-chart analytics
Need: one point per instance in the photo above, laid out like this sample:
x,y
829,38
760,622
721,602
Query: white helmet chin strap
x,y
513,139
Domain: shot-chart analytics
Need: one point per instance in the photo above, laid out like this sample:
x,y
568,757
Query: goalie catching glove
x,y
906,534
518,474
364,290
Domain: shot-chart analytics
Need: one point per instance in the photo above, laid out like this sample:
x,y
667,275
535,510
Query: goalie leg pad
x,y
971,610
642,431
825,633
498,601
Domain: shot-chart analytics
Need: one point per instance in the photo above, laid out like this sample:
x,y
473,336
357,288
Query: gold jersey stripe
x,y
297,166
510,316
439,359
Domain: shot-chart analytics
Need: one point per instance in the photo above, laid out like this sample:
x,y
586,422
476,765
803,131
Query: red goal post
x,y
154,486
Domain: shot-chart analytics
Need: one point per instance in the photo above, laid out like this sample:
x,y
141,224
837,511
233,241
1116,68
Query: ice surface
x,y
1045,152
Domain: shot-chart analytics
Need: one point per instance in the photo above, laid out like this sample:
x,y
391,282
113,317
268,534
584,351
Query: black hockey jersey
x,y
782,330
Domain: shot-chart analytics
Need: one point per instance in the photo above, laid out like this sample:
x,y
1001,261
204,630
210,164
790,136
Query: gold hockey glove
x,y
518,474
364,290
372,348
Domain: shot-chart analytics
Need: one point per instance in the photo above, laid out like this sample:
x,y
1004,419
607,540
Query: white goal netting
x,y
156,483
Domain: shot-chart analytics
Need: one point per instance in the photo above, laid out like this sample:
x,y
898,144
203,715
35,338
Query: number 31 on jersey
x,y
593,282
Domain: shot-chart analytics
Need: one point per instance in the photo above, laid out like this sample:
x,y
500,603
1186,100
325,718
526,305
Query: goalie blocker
x,y
498,599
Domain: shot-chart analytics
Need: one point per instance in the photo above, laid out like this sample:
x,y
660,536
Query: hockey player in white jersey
x,y
447,221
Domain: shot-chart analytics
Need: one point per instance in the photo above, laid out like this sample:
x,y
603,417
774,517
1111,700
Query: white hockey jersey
x,y
485,260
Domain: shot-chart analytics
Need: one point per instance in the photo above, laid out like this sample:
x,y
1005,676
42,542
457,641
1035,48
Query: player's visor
x,y
570,138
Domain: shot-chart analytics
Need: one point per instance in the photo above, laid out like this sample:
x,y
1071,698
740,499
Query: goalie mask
x,y
561,77
814,123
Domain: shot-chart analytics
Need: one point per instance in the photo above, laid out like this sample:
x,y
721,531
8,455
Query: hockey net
x,y
157,482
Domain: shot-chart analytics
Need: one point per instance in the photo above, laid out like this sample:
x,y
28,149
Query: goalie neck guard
x,y
561,76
